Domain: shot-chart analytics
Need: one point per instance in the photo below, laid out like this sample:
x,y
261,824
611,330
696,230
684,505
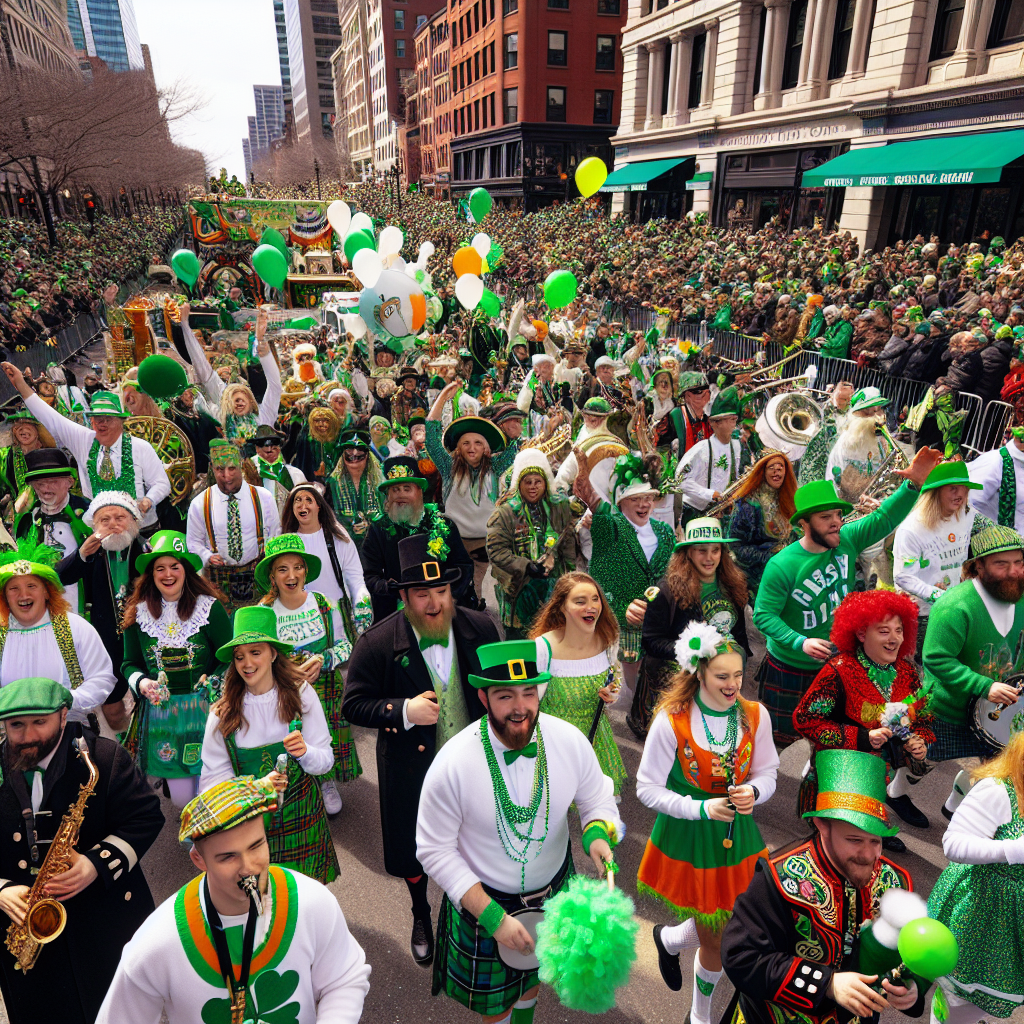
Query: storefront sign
x,y
864,180
777,136
695,186
943,117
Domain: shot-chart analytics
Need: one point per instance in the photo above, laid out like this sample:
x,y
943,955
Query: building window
x,y
842,34
556,103
795,43
509,6
511,106
558,5
1007,23
697,70
558,43
603,100
399,21
607,6
512,50
605,53
946,33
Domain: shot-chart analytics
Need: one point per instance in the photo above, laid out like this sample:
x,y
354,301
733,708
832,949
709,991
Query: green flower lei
x,y
883,676
433,523
126,481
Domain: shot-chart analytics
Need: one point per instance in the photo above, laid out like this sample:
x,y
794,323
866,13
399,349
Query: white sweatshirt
x,y
925,559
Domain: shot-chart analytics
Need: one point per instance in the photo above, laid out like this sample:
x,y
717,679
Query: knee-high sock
x,y
704,982
522,1012
680,936
900,785
961,787
418,892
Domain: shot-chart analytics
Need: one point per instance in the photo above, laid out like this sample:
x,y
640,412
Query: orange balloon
x,y
541,329
467,261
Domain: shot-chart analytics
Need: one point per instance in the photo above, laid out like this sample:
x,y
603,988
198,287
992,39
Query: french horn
x,y
173,448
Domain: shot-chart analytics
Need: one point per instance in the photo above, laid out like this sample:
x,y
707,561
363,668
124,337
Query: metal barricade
x,y
987,430
974,407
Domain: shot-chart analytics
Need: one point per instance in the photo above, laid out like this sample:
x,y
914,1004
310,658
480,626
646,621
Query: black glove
x,y
535,570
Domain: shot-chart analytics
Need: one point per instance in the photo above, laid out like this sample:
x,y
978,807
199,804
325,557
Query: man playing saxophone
x,y
103,891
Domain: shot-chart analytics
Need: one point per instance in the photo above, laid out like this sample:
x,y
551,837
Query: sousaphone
x,y
601,451
174,449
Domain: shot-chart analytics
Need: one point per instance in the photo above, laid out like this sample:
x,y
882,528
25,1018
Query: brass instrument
x,y
600,452
174,449
789,422
46,917
883,483
554,444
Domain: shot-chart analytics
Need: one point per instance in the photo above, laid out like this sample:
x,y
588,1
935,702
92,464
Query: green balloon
x,y
356,240
186,266
271,266
494,255
928,948
271,236
559,288
480,203
490,303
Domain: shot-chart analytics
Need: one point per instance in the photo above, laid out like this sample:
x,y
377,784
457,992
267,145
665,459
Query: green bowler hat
x,y
106,403
170,544
254,625
285,544
33,696
474,425
510,663
706,530
817,496
950,473
994,539
851,787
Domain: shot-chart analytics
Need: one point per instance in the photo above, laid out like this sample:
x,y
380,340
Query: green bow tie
x,y
425,643
530,750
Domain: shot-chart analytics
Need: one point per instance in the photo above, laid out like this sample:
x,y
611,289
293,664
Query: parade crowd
x,y
476,546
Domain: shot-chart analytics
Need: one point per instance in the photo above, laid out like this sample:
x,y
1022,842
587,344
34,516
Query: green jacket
x,y
837,340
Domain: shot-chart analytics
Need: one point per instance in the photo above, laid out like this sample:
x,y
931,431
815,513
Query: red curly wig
x,y
861,609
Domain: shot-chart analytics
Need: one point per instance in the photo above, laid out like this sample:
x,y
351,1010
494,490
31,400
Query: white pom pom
x,y
899,907
697,641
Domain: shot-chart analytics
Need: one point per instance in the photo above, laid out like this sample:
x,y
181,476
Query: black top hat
x,y
265,432
408,371
46,462
419,568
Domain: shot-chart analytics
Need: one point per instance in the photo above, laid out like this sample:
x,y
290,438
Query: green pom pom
x,y
694,643
586,944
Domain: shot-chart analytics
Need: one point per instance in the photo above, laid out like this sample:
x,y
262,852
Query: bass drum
x,y
601,451
173,448
996,723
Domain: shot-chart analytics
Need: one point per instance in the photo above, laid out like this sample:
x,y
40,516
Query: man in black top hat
x,y
405,514
276,475
409,679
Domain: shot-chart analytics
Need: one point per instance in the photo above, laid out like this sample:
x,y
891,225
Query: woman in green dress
x,y
313,625
174,623
577,636
267,710
352,486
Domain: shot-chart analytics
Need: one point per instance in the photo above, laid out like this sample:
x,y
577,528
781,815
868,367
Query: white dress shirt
x,y
693,470
151,480
457,839
348,562
987,470
199,539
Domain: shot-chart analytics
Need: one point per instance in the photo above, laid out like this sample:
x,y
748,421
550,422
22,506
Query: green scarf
x,y
125,481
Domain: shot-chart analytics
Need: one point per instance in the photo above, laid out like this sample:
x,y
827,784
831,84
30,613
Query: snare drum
x,y
529,918
996,723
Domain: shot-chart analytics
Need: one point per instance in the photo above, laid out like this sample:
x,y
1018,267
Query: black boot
x,y
893,844
906,809
668,963
422,941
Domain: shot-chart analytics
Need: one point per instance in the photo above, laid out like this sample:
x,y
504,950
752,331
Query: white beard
x,y
858,440
120,541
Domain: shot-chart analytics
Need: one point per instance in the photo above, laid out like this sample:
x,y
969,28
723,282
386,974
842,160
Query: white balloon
x,y
469,290
482,244
426,251
339,216
367,267
394,262
391,241
360,222
354,324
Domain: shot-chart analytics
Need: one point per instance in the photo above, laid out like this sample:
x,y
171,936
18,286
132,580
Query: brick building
x,y
433,101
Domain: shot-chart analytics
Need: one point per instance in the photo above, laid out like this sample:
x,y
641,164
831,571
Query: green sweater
x,y
964,652
800,591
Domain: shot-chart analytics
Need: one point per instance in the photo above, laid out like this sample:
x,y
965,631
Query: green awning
x,y
700,181
636,177
949,160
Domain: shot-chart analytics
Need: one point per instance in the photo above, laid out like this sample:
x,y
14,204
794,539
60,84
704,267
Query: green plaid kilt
x,y
466,963
330,688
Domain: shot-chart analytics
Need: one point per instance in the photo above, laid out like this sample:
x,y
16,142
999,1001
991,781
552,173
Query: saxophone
x,y
45,917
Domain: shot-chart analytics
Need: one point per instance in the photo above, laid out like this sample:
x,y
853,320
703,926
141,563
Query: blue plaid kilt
x,y
466,963
956,741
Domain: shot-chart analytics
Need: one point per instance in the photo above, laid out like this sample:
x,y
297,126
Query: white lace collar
x,y
169,630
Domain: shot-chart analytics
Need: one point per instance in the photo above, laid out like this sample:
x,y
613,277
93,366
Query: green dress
x,y
167,741
572,696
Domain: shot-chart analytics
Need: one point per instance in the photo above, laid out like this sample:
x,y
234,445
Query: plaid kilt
x,y
330,688
466,963
779,689
298,835
956,741
238,582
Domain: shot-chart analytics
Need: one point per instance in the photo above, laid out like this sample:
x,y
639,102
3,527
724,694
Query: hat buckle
x,y
517,669
431,571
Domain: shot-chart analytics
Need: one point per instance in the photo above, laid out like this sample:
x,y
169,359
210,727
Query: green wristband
x,y
595,830
704,810
490,918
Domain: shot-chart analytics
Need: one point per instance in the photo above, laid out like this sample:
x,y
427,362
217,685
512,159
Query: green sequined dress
x,y
572,696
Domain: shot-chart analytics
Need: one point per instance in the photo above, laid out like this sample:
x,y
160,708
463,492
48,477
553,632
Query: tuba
x,y
174,449
789,422
46,917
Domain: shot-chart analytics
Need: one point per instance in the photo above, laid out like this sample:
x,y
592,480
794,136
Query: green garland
x,y
433,524
125,481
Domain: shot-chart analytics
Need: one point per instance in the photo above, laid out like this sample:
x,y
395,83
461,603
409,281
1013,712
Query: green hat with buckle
x,y
285,544
817,496
106,403
33,696
510,663
950,473
706,530
254,625
851,788
168,544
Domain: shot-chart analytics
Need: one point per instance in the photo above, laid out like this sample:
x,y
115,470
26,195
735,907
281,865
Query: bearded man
x,y
406,514
408,677
973,635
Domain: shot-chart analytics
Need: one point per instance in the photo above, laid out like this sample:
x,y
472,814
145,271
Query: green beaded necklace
x,y
509,815
883,676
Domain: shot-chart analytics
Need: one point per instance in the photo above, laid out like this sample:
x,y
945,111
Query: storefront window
x,y
924,214
993,207
794,43
549,159
810,204
958,213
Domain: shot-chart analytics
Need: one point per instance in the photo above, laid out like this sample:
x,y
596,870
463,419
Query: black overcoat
x,y
386,668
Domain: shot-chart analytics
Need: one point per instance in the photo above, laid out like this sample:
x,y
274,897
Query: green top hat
x,y
106,403
285,544
226,805
44,462
992,540
162,377
170,544
509,663
474,425
253,625
950,473
33,696
851,787
706,530
817,496
726,403
400,469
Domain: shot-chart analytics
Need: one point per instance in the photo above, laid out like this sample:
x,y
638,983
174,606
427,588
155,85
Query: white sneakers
x,y
332,798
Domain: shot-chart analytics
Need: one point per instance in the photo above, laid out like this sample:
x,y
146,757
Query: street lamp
x,y
316,168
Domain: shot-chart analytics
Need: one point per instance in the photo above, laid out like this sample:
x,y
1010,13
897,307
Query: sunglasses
x,y
305,358
354,456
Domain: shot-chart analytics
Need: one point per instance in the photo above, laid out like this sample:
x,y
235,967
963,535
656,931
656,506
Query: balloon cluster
x,y
470,263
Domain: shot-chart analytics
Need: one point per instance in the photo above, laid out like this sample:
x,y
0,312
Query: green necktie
x,y
235,546
425,643
530,750
106,466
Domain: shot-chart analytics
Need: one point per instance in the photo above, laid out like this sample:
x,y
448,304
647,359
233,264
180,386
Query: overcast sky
x,y
221,48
